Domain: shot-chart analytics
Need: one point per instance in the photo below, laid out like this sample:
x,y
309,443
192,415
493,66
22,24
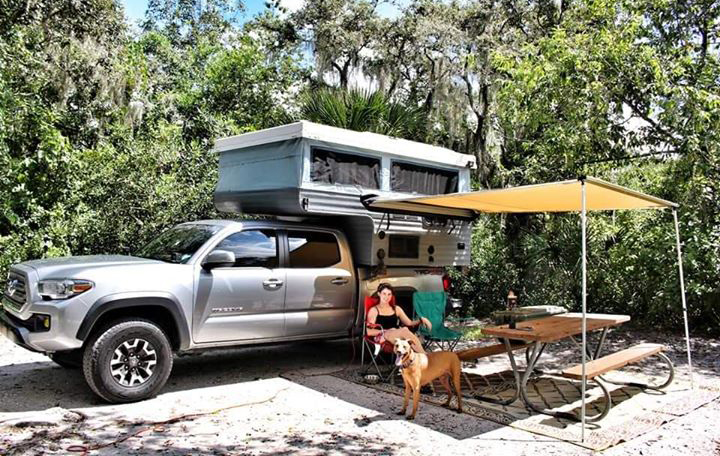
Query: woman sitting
x,y
389,316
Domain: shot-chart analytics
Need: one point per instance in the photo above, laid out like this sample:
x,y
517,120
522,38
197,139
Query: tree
x,y
105,137
58,91
187,21
612,92
341,34
362,111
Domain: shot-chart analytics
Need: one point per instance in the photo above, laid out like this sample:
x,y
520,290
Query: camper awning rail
x,y
373,203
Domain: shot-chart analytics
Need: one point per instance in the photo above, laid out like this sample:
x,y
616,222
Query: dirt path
x,y
276,400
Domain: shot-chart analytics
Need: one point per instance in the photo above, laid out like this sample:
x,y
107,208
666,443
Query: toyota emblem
x,y
12,286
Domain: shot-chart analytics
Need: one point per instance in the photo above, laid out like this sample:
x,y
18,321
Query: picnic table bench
x,y
617,360
488,350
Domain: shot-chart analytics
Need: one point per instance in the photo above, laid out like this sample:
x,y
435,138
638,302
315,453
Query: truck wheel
x,y
68,359
127,361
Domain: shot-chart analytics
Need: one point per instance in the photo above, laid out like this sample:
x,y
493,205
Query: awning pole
x,y
583,218
682,295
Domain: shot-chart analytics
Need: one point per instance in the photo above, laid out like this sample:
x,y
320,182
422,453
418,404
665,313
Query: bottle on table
x,y
511,305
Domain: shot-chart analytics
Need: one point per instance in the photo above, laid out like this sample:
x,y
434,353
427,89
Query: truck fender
x,y
127,300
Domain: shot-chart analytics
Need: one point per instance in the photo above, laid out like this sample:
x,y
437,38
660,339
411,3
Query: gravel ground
x,y
279,400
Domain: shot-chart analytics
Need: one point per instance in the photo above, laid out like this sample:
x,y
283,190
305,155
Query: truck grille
x,y
15,292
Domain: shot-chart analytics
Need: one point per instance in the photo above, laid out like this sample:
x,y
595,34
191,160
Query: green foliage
x,y
473,333
362,111
485,284
338,32
619,90
104,137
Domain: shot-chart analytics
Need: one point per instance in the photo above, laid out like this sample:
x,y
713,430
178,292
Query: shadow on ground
x,y
43,384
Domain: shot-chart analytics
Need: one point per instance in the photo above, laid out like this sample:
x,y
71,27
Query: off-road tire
x,y
99,353
72,359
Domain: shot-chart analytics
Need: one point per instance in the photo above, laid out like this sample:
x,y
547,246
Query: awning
x,y
564,196
580,195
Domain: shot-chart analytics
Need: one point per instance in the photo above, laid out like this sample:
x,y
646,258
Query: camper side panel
x,y
262,179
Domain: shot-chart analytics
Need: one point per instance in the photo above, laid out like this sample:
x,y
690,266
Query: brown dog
x,y
419,369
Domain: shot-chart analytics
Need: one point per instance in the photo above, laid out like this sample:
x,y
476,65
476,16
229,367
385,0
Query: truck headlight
x,y
63,288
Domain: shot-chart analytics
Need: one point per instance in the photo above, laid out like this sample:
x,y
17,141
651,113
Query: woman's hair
x,y
384,286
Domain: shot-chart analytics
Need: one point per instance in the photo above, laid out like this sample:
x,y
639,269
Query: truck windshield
x,y
178,244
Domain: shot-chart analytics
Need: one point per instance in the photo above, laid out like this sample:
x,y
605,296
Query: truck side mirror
x,y
218,258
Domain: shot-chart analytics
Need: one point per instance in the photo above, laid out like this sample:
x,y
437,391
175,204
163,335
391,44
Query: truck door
x,y
320,284
244,301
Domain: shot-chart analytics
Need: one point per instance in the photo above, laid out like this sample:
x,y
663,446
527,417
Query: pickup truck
x,y
199,285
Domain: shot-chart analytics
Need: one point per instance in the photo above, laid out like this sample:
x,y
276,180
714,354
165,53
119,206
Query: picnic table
x,y
540,332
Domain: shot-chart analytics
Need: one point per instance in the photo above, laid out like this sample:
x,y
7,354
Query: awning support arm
x,y
452,226
682,295
384,216
583,222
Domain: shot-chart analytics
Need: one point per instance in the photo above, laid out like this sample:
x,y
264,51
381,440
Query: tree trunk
x,y
344,72
485,166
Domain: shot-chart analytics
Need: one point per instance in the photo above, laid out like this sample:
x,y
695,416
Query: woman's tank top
x,y
387,321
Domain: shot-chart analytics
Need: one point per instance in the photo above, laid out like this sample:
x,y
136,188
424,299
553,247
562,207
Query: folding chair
x,y
431,305
376,352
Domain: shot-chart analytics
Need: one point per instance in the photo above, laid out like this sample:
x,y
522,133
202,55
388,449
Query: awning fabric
x,y
564,196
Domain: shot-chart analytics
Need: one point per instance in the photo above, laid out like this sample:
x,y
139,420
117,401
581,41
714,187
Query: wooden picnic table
x,y
556,327
538,333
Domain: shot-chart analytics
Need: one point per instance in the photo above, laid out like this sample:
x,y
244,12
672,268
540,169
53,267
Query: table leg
x,y
516,375
533,355
600,343
530,351
598,347
536,351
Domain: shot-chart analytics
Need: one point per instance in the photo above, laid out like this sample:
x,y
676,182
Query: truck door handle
x,y
272,283
339,281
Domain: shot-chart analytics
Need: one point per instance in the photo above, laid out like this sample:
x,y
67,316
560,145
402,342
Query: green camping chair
x,y
431,305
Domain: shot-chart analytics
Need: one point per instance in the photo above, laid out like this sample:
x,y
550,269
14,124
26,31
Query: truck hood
x,y
49,267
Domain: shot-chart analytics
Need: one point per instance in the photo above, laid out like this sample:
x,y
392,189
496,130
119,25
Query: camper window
x,y
409,178
312,249
339,168
403,246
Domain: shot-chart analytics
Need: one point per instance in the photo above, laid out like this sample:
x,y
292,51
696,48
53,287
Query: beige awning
x,y
562,196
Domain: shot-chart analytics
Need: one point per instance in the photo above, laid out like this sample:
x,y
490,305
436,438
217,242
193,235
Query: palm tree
x,y
363,110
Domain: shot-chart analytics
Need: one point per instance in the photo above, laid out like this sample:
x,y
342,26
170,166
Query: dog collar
x,y
408,363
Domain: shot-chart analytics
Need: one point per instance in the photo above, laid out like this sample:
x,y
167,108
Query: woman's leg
x,y
404,333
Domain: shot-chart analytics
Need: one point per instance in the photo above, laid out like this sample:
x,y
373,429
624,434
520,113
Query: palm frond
x,y
363,110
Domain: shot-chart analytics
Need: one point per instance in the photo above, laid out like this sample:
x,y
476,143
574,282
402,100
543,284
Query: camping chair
x,y
378,354
431,305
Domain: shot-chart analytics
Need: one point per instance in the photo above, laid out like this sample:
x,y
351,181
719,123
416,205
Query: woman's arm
x,y
408,322
371,317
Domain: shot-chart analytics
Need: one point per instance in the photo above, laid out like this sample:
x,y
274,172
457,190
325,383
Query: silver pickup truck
x,y
198,285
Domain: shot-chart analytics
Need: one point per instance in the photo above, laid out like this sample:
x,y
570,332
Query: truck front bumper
x,y
11,328
27,330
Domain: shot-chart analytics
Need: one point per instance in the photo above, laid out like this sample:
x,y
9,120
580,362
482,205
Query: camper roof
x,y
340,136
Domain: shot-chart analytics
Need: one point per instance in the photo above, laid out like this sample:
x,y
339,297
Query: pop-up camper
x,y
309,171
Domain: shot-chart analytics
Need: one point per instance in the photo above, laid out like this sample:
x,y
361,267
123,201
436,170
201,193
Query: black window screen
x,y
422,179
310,249
338,168
402,246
